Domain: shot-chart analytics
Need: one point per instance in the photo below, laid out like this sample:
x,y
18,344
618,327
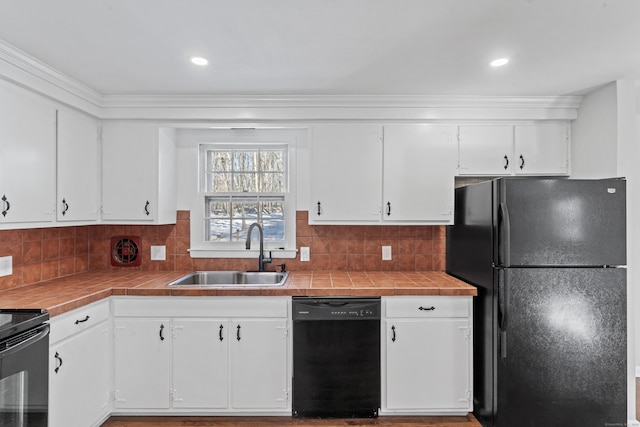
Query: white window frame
x,y
206,249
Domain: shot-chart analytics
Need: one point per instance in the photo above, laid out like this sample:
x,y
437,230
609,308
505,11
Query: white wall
x,y
628,156
606,143
594,135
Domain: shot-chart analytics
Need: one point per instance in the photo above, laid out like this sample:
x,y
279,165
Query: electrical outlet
x,y
386,253
6,266
305,256
158,253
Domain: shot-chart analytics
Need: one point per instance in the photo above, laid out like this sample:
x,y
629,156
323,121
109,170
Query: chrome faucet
x,y
261,259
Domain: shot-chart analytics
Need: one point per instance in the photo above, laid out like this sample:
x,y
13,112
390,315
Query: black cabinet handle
x,y
58,362
319,209
161,332
393,331
521,162
6,206
506,162
238,333
220,333
65,207
146,208
426,308
83,320
388,208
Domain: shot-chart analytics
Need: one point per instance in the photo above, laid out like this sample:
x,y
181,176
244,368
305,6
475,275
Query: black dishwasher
x,y
336,357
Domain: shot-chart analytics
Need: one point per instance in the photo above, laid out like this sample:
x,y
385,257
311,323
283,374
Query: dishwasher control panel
x,y
309,308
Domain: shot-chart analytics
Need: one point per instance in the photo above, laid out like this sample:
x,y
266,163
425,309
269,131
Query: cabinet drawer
x,y
75,321
201,306
428,307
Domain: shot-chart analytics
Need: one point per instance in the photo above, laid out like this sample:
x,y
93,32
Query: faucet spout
x,y
261,258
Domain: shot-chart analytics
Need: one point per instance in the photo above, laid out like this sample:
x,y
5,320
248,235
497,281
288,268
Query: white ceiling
x,y
330,47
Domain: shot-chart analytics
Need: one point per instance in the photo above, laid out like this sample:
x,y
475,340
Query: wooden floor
x,y
469,421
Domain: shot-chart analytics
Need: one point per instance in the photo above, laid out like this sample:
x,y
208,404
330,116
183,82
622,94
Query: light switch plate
x,y
6,266
158,253
386,253
305,255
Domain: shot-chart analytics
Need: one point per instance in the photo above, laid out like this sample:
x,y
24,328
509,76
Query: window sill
x,y
240,253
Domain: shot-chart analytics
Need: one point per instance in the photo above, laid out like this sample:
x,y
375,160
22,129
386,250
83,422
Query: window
x,y
243,186
243,177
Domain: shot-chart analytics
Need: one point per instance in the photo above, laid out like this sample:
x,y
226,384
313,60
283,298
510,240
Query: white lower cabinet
x,y
79,374
142,363
258,369
427,355
206,356
200,361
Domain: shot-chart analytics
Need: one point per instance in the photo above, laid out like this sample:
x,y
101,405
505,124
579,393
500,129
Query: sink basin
x,y
232,278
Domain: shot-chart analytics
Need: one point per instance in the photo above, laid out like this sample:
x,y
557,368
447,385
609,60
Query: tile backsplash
x,y
47,253
44,253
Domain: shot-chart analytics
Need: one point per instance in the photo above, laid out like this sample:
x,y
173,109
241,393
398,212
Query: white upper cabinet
x,y
419,169
542,149
359,177
27,157
485,150
138,173
521,149
346,173
78,170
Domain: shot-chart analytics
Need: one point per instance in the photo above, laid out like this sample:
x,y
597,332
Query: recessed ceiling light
x,y
199,61
499,62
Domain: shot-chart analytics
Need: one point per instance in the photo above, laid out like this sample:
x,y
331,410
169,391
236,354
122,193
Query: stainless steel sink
x,y
232,278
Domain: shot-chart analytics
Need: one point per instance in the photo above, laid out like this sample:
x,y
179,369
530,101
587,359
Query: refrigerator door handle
x,y
502,313
504,236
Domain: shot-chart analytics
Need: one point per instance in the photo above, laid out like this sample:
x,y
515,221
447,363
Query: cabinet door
x,y
129,171
485,150
259,364
419,172
200,363
142,349
27,157
77,167
79,379
428,364
346,173
542,149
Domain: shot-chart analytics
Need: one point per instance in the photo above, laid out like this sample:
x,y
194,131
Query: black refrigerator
x,y
550,326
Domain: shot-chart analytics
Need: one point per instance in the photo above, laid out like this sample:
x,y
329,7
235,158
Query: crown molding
x,y
24,70
339,101
339,107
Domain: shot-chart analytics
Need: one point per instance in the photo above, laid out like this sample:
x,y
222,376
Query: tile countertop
x,y
67,293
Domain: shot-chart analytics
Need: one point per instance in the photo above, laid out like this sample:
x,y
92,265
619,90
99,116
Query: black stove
x,y
15,321
24,367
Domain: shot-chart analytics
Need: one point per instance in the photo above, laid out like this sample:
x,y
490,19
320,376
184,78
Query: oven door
x,y
24,381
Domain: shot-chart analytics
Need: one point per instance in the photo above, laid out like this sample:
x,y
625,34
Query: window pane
x,y
219,209
272,209
272,160
219,161
239,229
245,182
273,230
245,210
218,230
273,183
221,183
245,161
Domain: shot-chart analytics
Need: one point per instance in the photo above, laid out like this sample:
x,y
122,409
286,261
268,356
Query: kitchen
x,y
594,117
